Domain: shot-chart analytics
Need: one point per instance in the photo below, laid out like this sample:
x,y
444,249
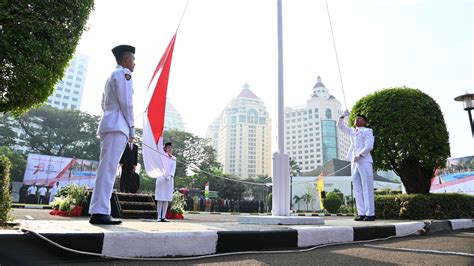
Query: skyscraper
x,y
173,119
69,90
311,135
241,135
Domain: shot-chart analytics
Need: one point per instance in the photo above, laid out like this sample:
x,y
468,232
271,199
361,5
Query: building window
x,y
60,88
67,90
328,113
68,83
74,99
56,102
73,107
77,85
66,97
65,105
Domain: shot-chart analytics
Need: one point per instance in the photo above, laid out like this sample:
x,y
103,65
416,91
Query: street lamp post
x,y
468,103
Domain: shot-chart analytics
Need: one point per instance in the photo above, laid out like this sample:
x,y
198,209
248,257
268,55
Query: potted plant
x,y
176,210
69,201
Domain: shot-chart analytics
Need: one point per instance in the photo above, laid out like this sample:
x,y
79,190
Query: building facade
x,y
69,90
173,119
241,135
311,135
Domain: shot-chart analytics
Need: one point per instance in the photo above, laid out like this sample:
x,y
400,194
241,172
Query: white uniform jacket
x,y
117,103
362,142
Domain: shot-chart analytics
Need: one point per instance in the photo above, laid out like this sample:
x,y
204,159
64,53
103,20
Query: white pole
x,y
281,173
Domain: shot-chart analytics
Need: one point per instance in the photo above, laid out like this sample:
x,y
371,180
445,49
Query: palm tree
x,y
297,200
295,168
308,198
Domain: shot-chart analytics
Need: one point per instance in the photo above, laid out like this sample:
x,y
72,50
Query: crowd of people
x,y
41,194
197,203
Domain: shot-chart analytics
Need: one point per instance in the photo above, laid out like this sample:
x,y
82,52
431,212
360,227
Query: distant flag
x,y
206,190
320,185
154,118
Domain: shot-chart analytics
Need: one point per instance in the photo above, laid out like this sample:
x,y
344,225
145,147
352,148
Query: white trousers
x,y
161,208
363,186
112,145
51,197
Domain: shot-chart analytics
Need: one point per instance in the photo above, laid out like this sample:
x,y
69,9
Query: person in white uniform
x,y
53,192
362,142
42,195
165,183
31,192
116,128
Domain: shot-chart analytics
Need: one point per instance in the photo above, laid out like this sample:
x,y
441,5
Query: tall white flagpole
x,y
281,171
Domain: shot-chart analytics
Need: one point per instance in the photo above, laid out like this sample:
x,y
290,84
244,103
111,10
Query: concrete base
x,y
283,220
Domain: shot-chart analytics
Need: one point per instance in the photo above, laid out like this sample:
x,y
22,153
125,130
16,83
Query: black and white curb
x,y
205,242
36,207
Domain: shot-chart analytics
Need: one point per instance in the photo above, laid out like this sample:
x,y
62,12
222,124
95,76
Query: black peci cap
x,y
363,116
119,50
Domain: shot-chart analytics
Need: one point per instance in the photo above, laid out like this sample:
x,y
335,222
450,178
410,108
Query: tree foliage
x,y
191,152
410,134
18,163
58,132
37,41
5,197
7,135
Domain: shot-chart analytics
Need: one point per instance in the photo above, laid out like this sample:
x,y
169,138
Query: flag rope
x,y
197,169
337,58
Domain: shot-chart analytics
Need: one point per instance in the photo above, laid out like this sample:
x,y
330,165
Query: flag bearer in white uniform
x,y
115,129
165,183
362,142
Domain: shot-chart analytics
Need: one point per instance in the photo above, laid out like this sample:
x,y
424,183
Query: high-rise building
x,y
241,135
69,90
173,119
311,134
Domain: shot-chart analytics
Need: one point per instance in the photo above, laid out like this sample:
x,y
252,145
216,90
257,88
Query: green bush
x,y
424,206
332,202
387,192
347,209
5,198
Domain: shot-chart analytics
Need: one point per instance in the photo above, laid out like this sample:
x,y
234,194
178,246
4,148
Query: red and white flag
x,y
154,118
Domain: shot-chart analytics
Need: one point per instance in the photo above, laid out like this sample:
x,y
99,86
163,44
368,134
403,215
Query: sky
x,y
221,45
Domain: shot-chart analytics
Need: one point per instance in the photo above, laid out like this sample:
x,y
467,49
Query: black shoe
x,y
369,218
359,218
164,220
103,219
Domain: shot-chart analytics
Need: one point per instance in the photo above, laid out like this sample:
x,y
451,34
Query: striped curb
x,y
205,242
17,206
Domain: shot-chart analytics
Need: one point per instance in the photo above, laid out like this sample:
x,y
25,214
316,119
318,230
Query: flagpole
x,y
281,172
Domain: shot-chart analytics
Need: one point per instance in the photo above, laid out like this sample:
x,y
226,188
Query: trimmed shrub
x,y
332,202
387,192
5,198
424,206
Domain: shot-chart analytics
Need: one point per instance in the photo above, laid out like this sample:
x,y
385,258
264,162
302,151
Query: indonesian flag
x,y
154,118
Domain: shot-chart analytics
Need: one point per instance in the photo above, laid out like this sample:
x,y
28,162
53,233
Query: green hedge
x,y
5,198
424,206
332,202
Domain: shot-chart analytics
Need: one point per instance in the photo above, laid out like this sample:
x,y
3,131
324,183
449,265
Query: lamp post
x,y
468,103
